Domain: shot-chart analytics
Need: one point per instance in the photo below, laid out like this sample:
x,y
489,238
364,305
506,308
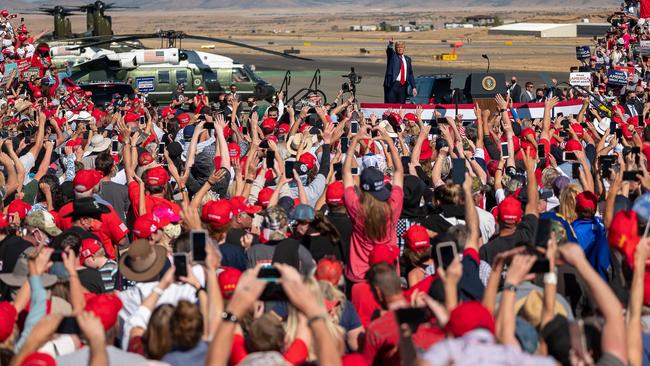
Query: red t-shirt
x,y
150,202
382,340
364,302
109,228
360,244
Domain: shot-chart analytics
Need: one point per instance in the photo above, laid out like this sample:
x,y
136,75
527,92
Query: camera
x,y
351,85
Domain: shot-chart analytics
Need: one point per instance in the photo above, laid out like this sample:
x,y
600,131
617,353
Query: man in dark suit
x,y
633,105
514,90
399,74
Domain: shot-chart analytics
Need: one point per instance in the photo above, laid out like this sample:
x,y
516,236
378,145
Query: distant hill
x,y
426,5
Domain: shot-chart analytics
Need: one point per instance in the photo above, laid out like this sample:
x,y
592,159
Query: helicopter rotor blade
x,y
244,45
116,39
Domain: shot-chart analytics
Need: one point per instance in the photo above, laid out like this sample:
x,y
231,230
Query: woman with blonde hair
x,y
567,207
343,313
374,209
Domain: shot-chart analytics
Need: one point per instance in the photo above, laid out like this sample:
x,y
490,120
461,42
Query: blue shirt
x,y
195,356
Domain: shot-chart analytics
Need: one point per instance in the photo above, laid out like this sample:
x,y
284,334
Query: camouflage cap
x,y
275,218
43,221
560,233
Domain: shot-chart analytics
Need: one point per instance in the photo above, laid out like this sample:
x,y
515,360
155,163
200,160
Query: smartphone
x,y
161,148
209,125
412,316
406,160
273,291
244,130
269,274
458,170
142,120
541,265
86,135
270,158
354,171
466,123
575,171
445,253
198,241
354,127
612,127
584,125
374,134
619,133
541,152
338,171
264,144
569,156
115,146
180,264
631,175
543,232
636,150
345,143
68,325
57,256
288,169
504,150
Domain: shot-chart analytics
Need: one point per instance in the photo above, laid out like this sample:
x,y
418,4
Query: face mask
x,y
6,42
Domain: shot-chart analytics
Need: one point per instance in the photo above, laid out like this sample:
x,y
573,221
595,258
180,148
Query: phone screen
x,y
338,171
458,170
68,325
541,154
180,264
198,239
631,175
354,171
543,232
270,274
612,127
115,145
405,161
504,150
161,148
619,133
412,316
541,265
575,171
270,158
288,169
244,130
446,252
570,156
354,127
345,143
142,121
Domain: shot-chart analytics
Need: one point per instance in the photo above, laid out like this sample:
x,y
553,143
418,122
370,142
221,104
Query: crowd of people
x,y
246,233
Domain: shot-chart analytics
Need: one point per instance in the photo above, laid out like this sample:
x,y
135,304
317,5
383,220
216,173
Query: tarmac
x,y
273,68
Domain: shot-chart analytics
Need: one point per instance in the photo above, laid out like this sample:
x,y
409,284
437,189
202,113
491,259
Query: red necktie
x,y
402,78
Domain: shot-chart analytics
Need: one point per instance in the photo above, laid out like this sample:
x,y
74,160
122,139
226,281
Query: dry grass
x,y
328,34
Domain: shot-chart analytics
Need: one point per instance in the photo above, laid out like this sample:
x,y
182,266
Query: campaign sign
x,y
580,78
617,77
583,52
644,47
145,84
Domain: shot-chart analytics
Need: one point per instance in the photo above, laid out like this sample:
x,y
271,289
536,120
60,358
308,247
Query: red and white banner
x,y
528,110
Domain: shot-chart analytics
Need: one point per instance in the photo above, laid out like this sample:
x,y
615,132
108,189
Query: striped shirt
x,y
108,272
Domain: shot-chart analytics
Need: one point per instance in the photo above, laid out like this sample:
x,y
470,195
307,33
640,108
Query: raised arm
x,y
471,216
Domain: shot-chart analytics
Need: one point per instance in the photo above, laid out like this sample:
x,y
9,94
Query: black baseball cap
x,y
87,207
372,181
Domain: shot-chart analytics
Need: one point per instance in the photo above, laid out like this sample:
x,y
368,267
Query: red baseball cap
x,y
283,129
131,118
240,205
167,111
73,142
308,159
217,213
89,247
329,269
382,253
334,194
268,125
156,177
7,320
234,150
145,158
264,196
469,316
19,206
38,359
86,179
183,119
510,211
228,279
527,131
106,307
586,200
426,152
144,226
411,117
417,238
623,234
573,145
579,130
